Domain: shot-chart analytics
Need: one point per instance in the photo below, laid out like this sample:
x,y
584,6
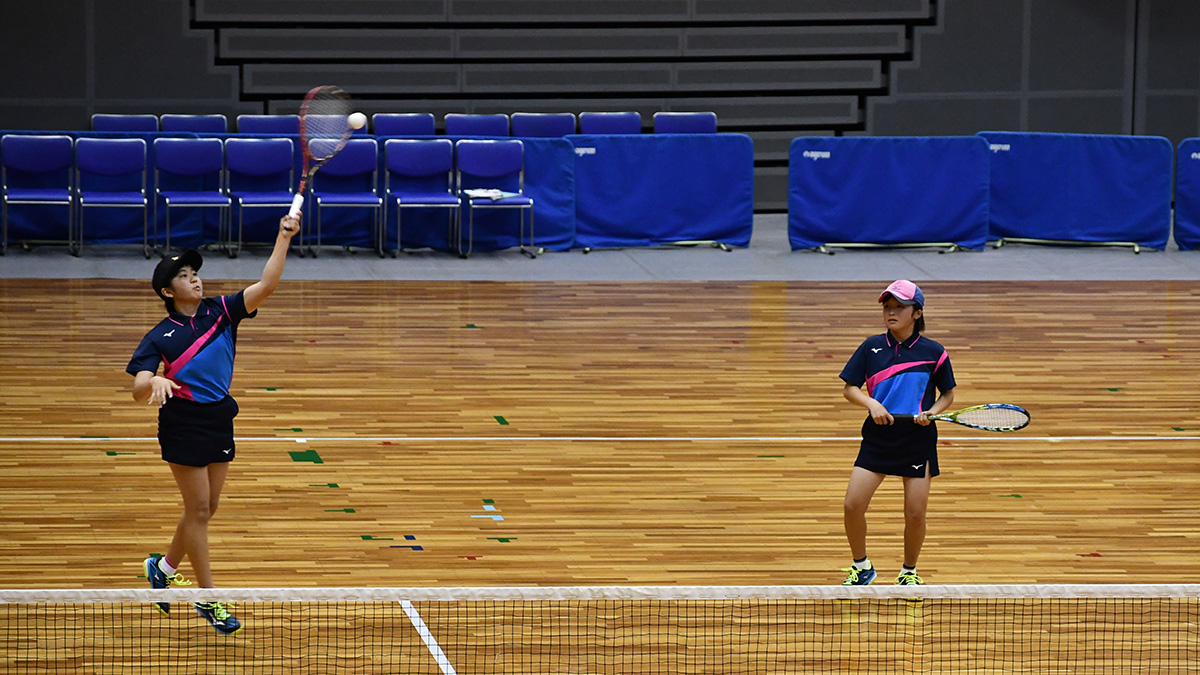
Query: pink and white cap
x,y
904,291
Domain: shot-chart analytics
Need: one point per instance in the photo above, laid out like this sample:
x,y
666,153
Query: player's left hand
x,y
922,419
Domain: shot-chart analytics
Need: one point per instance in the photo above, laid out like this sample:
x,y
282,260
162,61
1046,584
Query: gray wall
x,y
773,69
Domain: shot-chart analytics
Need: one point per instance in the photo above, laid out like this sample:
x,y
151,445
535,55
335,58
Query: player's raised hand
x,y
289,225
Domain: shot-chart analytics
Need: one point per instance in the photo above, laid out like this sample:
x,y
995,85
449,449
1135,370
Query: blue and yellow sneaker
x,y
159,579
220,618
859,577
909,579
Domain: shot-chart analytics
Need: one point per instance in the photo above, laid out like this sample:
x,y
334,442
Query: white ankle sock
x,y
166,567
864,565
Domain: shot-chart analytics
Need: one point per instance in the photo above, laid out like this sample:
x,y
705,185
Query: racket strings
x,y
326,123
994,418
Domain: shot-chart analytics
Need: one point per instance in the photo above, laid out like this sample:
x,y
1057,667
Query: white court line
x,y
431,642
586,439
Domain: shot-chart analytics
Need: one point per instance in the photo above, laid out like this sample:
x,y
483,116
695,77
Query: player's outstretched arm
x,y
263,288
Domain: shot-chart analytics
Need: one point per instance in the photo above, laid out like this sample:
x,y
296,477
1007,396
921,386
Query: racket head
x,y
990,417
324,123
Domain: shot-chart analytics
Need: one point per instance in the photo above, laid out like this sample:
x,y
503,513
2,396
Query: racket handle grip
x,y
297,204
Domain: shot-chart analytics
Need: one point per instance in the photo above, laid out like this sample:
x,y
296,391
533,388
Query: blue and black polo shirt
x,y
196,352
904,376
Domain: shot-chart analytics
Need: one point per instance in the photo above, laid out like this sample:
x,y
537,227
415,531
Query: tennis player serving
x,y
196,345
901,369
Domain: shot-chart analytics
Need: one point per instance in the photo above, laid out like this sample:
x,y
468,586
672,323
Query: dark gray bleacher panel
x,y
795,41
334,44
813,10
295,79
778,75
318,11
574,11
771,188
551,78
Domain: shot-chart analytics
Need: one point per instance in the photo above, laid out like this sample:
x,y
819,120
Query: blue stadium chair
x,y
610,123
138,123
203,124
268,124
189,172
419,175
497,167
36,170
458,124
543,125
685,123
404,124
348,180
260,173
110,173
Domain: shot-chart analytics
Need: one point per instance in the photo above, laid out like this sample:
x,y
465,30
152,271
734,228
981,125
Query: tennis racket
x,y
324,130
989,417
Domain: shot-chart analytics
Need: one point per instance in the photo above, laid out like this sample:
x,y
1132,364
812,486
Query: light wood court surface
x,y
626,434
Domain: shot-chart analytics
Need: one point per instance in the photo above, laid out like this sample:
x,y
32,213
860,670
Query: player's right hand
x,y
880,414
289,226
162,389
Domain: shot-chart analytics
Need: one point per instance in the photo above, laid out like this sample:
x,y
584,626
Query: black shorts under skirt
x,y
197,434
901,449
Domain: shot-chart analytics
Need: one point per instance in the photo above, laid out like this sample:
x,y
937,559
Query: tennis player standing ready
x,y
901,369
196,344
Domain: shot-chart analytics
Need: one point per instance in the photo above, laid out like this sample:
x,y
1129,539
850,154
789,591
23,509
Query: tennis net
x,y
627,630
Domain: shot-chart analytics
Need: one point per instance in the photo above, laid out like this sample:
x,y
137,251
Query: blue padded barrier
x,y
887,191
1187,195
647,190
1080,187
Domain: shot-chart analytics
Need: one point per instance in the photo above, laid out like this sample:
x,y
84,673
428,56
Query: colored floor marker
x,y
289,429
470,325
306,456
328,485
503,540
1186,428
415,548
367,537
501,420
489,507
1012,495
494,516
110,453
270,388
1088,555
339,510
1111,388
771,456
471,557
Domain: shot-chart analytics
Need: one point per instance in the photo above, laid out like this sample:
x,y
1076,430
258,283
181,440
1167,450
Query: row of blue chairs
x,y
529,125
56,170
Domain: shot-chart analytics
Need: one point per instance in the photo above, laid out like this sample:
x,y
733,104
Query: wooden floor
x,y
483,433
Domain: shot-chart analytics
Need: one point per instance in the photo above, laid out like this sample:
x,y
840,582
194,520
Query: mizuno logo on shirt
x,y
874,350
169,334
915,466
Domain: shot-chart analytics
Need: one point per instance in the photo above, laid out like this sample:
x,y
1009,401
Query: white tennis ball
x,y
357,120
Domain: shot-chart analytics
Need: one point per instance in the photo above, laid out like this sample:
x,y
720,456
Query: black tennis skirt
x,y
901,449
197,434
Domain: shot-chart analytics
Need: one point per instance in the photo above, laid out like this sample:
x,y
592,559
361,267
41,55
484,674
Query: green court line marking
x,y
770,456
489,501
503,540
306,456
367,537
1186,428
269,388
501,420
1012,495
289,429
470,325
110,453
339,510
1111,388
329,485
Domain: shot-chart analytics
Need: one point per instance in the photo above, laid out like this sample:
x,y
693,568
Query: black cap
x,y
168,267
